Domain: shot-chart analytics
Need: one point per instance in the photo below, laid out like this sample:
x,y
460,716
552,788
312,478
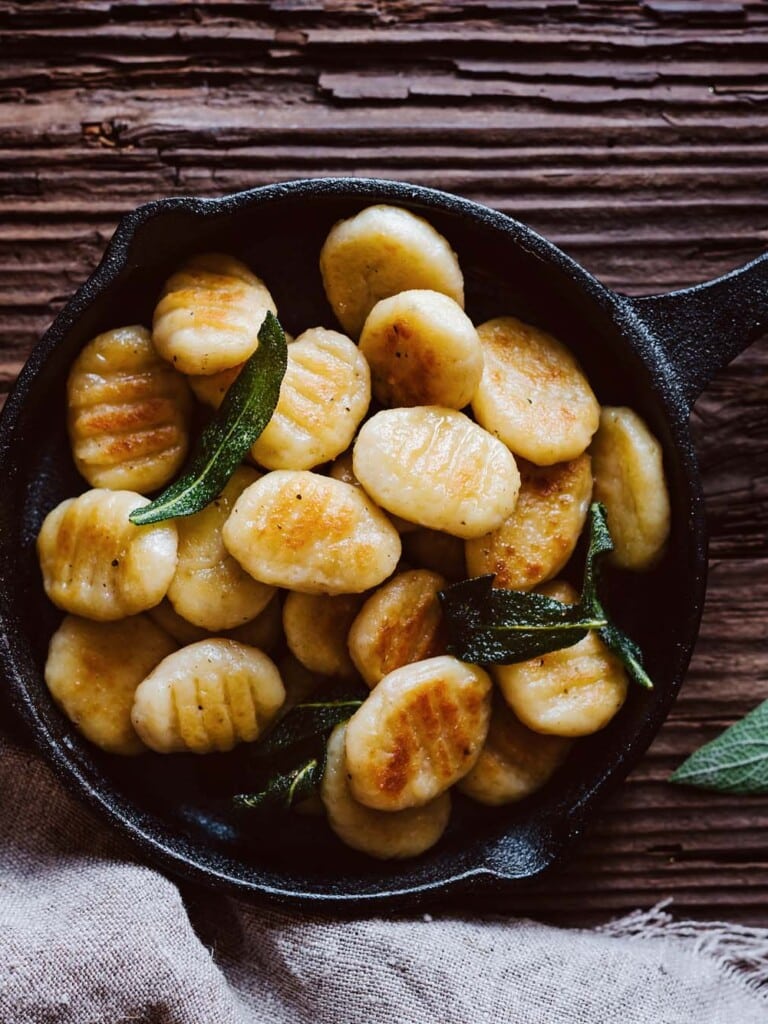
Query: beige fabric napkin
x,y
90,936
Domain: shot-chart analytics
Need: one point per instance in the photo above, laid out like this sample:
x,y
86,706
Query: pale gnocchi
x,y
316,628
435,467
127,413
209,315
97,564
208,696
379,252
629,480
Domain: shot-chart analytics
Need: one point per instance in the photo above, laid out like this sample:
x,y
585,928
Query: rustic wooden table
x,y
634,135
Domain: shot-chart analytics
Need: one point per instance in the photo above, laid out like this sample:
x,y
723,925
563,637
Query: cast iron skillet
x,y
655,354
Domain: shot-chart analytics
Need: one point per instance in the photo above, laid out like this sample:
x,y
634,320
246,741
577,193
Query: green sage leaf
x,y
246,410
305,721
734,762
283,789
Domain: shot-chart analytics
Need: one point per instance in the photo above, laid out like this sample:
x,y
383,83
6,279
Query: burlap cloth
x,y
88,934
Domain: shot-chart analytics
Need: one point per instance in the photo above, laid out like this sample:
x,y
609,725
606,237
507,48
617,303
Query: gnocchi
x,y
127,413
629,480
208,696
533,394
310,533
379,252
381,834
93,670
423,350
264,631
435,467
209,314
209,588
514,763
97,564
400,623
341,469
440,552
324,396
420,730
572,692
537,540
316,628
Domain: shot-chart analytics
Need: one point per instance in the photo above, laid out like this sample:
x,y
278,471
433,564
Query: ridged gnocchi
x,y
382,834
537,540
209,314
423,350
514,763
93,670
629,480
208,696
127,413
316,628
400,623
97,564
435,467
572,692
209,588
533,395
417,733
310,533
379,252
324,395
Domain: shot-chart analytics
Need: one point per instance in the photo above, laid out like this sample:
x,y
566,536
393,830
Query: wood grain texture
x,y
634,135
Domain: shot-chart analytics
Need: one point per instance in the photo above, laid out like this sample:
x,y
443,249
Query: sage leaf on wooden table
x,y
496,626
734,762
246,410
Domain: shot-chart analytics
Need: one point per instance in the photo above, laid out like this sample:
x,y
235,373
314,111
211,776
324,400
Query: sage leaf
x,y
306,721
283,789
736,761
494,626
246,410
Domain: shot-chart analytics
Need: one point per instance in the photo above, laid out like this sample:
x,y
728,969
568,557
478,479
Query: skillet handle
x,y
704,327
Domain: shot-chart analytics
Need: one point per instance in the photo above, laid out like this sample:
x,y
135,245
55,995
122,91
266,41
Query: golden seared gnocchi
x,y
440,552
264,631
400,623
382,834
435,467
209,588
379,252
211,388
629,480
514,763
127,413
209,314
420,730
537,540
324,395
341,469
93,670
572,692
310,533
208,696
423,350
316,628
533,395
97,564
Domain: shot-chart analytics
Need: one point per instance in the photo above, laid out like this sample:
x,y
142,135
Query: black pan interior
x,y
180,804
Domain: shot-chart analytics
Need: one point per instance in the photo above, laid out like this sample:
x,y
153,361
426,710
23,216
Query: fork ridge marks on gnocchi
x,y
399,624
209,314
382,834
538,539
420,730
379,252
311,533
423,350
207,697
629,480
127,412
533,394
324,396
209,588
97,564
435,467
93,670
